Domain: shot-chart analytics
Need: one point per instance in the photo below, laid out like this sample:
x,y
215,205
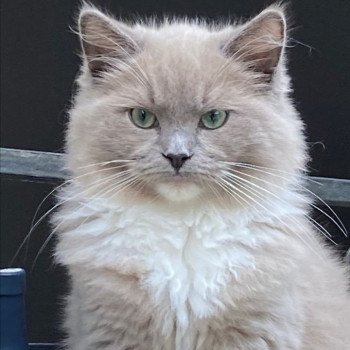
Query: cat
x,y
186,224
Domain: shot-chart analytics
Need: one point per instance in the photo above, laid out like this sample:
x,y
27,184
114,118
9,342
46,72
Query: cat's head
x,y
182,110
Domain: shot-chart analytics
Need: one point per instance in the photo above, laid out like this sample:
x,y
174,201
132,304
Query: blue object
x,y
13,335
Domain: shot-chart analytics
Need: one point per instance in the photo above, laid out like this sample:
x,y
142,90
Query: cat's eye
x,y
213,119
143,118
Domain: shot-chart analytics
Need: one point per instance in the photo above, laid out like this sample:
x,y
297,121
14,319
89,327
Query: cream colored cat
x,y
186,225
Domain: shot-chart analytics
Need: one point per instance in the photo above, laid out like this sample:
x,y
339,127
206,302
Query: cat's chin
x,y
178,191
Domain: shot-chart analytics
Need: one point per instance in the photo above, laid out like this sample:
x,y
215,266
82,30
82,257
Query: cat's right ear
x,y
260,42
105,41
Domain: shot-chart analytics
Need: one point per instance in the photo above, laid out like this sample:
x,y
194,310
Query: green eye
x,y
213,119
142,118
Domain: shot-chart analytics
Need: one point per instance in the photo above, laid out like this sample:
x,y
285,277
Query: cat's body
x,y
201,280
162,256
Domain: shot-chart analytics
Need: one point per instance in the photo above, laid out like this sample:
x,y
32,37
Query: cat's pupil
x,y
214,117
143,115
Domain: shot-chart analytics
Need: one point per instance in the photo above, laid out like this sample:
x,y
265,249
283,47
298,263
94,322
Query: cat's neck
x,y
271,208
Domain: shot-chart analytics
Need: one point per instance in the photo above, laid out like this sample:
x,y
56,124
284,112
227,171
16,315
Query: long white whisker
x,y
230,192
107,163
233,190
119,185
248,184
276,217
264,169
340,226
104,192
94,184
70,181
214,190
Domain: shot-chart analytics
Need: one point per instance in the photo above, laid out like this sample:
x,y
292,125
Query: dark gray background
x,y
39,63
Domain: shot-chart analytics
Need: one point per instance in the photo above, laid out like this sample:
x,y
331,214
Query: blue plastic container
x,y
13,335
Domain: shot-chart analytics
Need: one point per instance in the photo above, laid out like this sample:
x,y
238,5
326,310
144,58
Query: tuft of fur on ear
x,y
260,42
104,40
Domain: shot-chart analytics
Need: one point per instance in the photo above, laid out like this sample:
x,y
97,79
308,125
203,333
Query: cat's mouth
x,y
178,187
178,180
180,177
176,177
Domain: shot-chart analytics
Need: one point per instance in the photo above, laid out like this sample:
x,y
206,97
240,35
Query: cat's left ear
x,y
105,41
260,42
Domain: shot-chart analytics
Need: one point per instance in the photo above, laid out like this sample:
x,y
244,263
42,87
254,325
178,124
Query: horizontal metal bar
x,y
332,191
32,163
51,165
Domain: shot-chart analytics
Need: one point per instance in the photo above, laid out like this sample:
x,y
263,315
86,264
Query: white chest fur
x,y
186,258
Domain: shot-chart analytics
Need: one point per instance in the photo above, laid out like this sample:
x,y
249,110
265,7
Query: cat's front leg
x,y
262,323
238,340
102,317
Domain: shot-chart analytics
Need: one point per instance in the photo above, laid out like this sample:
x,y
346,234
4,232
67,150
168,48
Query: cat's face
x,y
179,111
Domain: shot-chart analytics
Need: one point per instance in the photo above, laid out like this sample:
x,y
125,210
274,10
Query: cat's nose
x,y
177,160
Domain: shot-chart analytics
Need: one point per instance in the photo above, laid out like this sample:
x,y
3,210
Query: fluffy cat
x,y
185,225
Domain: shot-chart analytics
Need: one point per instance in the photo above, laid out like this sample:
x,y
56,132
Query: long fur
x,y
222,255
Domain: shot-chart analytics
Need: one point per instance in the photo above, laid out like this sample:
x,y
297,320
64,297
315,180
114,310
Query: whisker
x,y
107,163
230,190
278,218
70,181
120,185
258,167
339,225
214,190
48,212
130,182
46,242
249,184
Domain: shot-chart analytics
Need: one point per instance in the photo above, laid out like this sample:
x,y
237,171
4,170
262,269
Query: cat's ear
x,y
104,40
260,42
